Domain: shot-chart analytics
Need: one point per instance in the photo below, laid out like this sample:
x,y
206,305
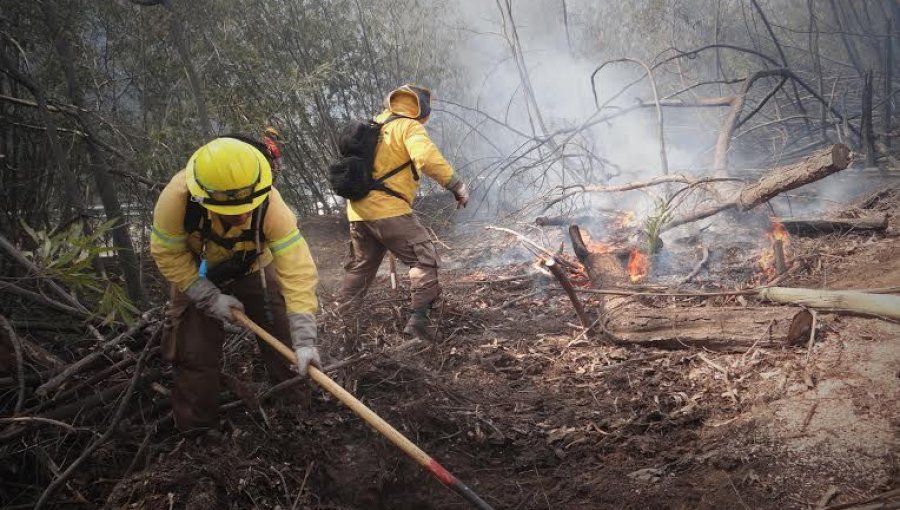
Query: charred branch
x,y
564,282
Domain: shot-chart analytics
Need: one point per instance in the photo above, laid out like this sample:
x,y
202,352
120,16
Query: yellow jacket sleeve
x,y
168,240
425,155
293,262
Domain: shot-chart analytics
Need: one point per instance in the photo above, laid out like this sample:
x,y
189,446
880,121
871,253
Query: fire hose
x,y
376,422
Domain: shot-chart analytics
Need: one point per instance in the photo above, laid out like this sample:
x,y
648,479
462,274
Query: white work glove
x,y
460,191
303,339
210,300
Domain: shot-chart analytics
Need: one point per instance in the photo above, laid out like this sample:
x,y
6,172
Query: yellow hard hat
x,y
270,131
228,176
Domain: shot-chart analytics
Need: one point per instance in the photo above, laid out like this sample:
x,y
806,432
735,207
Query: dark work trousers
x,y
193,342
408,240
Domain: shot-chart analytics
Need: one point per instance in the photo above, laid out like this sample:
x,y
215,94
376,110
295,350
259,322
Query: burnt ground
x,y
531,414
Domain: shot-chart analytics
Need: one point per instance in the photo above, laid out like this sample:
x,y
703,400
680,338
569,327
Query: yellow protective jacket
x,y
402,140
176,252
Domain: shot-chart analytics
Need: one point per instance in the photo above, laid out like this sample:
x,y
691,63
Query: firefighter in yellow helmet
x,y
383,221
224,238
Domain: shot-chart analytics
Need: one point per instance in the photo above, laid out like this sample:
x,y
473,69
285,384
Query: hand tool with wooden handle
x,y
375,421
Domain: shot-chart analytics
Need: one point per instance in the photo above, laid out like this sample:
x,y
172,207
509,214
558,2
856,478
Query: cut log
x,y
817,226
721,329
817,166
881,305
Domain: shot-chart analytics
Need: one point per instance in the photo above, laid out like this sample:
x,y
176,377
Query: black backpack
x,y
351,175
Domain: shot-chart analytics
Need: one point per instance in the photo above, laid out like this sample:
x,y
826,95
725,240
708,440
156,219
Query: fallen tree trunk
x,y
817,166
815,226
719,329
882,305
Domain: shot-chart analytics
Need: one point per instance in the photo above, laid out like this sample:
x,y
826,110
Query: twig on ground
x,y
827,497
809,415
48,421
20,362
303,484
699,267
114,422
78,366
812,337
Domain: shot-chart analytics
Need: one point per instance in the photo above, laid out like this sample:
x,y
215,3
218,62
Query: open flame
x,y
767,257
779,232
638,265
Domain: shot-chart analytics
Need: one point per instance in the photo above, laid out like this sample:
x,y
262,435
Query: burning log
x,y
778,249
815,226
817,166
836,300
721,329
638,265
602,265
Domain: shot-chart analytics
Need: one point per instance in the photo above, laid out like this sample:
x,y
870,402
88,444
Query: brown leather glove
x,y
460,191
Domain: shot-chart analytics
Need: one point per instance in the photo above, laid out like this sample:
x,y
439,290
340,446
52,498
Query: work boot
x,y
418,323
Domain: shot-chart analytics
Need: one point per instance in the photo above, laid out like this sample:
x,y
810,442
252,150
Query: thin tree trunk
x,y
181,45
817,65
868,134
73,198
888,83
851,51
98,165
784,61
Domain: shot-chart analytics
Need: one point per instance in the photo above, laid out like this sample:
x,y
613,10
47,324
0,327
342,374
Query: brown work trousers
x,y
193,341
408,240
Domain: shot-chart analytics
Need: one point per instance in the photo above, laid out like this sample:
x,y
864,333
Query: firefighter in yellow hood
x,y
383,221
224,238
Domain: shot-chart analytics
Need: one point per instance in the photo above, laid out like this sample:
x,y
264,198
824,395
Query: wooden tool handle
x,y
340,393
375,421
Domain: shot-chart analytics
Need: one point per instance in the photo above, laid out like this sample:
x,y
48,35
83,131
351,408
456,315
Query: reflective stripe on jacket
x,y
176,252
402,140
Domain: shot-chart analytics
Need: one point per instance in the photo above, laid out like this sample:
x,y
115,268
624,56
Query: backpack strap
x,y
197,220
379,184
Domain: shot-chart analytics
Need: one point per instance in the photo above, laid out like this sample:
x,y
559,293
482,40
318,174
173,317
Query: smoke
x,y
500,142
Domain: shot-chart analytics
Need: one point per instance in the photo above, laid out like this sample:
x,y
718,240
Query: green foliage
x,y
654,224
66,256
